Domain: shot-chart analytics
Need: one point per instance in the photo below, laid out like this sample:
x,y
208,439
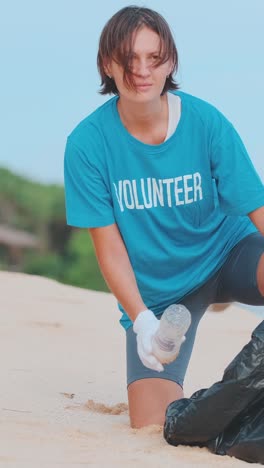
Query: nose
x,y
141,68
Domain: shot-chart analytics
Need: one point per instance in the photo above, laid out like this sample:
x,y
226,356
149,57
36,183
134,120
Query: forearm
x,y
257,218
117,271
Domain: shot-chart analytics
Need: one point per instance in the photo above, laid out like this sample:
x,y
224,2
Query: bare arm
x,y
257,218
116,268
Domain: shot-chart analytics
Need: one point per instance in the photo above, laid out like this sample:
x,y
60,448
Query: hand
x,y
145,326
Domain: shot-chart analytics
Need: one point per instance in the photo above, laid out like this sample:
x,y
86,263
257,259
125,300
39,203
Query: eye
x,y
155,58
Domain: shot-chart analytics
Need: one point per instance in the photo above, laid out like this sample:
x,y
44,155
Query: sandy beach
x,y
63,379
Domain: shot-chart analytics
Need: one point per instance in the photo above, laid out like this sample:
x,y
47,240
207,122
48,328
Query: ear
x,y
170,67
107,69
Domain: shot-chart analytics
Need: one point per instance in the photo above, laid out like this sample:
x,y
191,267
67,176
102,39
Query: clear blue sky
x,y
49,80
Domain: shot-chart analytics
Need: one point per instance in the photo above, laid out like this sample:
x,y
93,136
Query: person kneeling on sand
x,y
171,199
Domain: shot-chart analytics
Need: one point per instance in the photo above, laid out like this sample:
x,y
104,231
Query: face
x,y
149,79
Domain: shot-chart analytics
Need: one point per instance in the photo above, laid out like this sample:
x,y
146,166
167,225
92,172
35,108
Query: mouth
x,y
143,86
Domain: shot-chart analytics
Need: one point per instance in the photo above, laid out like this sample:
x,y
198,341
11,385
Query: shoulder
x,y
207,113
90,128
85,143
195,102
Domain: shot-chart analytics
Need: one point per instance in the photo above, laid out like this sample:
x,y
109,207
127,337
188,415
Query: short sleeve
x,y
240,189
87,198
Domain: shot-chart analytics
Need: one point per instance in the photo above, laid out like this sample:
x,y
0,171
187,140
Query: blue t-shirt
x,y
180,206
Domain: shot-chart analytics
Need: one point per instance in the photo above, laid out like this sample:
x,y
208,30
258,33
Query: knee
x,y
148,400
140,421
260,275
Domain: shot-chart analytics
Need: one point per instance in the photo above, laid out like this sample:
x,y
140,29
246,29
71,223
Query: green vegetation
x,y
64,253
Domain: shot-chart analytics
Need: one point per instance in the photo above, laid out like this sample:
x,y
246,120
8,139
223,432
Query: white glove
x,y
145,326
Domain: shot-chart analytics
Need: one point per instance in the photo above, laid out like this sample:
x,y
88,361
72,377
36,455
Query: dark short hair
x,y
116,42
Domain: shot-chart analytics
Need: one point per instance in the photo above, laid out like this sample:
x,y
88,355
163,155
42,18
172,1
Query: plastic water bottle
x,y
167,341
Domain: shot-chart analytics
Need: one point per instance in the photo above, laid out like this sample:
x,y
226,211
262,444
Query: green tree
x,y
81,267
66,253
49,264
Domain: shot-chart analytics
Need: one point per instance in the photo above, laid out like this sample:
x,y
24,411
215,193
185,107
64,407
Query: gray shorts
x,y
234,281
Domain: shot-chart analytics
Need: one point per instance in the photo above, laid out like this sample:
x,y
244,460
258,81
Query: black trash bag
x,y
228,417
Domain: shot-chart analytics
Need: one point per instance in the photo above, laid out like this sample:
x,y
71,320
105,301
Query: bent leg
x,y
260,275
148,400
149,391
241,278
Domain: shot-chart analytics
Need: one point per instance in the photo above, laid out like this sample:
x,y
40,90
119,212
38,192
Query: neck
x,y
142,115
